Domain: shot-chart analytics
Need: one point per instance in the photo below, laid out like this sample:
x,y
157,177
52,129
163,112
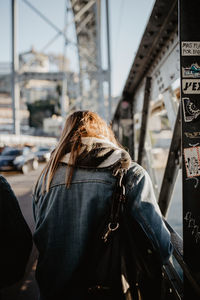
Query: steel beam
x,y
109,63
145,112
83,10
171,169
14,80
87,18
189,24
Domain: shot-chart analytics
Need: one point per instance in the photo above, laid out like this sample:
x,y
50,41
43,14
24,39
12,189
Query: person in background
x,y
16,237
73,193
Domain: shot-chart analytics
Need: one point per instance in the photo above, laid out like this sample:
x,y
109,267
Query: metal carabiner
x,y
110,229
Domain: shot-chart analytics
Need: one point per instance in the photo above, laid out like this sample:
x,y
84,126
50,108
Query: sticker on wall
x,y
190,111
191,71
192,161
191,86
192,135
190,48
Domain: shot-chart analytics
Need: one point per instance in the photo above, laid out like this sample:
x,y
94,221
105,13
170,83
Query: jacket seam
x,y
84,181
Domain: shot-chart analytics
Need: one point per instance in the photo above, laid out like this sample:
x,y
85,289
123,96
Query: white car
x,y
43,154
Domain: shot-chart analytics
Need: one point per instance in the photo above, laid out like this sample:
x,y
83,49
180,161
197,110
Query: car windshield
x,y
11,152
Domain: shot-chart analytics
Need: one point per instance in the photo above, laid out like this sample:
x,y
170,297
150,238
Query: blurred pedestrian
x,y
16,237
72,195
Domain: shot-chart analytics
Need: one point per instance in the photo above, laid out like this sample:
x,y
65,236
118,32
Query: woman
x,y
72,195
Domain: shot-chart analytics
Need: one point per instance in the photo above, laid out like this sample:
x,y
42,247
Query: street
x,y
22,186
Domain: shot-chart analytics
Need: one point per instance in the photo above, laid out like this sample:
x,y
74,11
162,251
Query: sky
x,y
128,19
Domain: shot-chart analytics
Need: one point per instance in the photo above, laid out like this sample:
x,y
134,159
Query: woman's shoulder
x,y
135,174
7,192
2,179
4,183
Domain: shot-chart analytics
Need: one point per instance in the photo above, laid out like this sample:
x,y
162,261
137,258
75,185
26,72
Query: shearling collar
x,y
100,153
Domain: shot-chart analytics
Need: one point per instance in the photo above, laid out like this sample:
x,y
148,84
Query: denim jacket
x,y
64,217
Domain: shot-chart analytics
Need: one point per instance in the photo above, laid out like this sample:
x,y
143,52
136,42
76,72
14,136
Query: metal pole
x,y
132,133
14,80
189,23
109,63
171,169
145,113
101,104
81,90
64,101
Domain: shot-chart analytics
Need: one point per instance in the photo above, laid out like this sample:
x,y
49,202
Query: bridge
x,y
163,84
164,80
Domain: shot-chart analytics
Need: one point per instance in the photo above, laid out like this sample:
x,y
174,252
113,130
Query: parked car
x,y
19,159
43,154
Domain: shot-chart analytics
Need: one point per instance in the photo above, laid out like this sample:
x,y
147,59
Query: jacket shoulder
x,y
6,190
134,175
3,183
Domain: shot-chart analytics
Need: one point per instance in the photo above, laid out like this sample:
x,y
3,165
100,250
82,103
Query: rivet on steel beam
x,y
157,16
167,31
150,33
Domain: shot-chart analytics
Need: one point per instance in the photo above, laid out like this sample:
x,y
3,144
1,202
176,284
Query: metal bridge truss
x,y
153,87
87,19
94,81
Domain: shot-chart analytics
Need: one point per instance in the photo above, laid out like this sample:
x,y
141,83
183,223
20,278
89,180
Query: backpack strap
x,y
117,201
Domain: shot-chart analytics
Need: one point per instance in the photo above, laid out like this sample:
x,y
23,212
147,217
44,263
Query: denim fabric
x,y
65,217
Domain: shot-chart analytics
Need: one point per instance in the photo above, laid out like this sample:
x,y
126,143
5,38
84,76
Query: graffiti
x,y
190,111
191,71
191,223
192,161
192,135
193,145
191,86
190,48
196,181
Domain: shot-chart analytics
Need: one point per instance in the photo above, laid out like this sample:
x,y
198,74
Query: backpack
x,y
116,264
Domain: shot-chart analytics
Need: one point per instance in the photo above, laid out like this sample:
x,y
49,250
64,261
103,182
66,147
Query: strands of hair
x,y
79,124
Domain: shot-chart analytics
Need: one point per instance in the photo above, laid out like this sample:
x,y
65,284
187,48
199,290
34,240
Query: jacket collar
x,y
100,153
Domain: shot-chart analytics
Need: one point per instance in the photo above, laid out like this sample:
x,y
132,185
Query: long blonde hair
x,y
79,124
